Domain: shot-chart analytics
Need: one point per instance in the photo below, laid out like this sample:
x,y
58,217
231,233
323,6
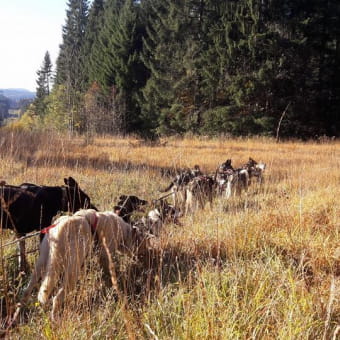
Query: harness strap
x,y
46,230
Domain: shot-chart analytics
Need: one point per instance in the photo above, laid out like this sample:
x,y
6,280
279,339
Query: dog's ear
x,y
71,182
143,202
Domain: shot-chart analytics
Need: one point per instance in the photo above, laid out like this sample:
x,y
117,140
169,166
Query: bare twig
x,y
151,331
280,121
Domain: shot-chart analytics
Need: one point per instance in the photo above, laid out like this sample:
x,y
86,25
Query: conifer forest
x,y
210,67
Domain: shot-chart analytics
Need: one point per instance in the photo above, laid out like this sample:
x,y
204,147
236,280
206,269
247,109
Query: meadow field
x,y
263,265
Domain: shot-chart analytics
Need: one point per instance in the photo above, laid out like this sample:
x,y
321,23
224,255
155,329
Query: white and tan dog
x,y
67,244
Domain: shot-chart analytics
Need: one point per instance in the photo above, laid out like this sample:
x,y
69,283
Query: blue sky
x,y
28,28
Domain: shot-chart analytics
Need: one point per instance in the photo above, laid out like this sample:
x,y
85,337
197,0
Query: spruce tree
x,y
163,56
70,65
43,85
70,62
173,52
117,68
90,45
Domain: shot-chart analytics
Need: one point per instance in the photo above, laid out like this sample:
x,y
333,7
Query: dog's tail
x,y
167,188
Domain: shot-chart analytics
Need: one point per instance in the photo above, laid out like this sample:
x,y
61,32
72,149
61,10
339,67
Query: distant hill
x,y
17,97
17,94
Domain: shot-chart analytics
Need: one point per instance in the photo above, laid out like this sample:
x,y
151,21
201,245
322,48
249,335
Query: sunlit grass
x,y
258,266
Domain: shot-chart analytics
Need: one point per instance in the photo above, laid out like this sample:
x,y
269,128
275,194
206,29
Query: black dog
x,y
31,207
127,205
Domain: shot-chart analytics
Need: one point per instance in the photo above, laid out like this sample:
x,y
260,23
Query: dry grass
x,y
261,266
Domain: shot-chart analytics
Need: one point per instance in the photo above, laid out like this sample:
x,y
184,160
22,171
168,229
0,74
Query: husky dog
x,y
156,218
224,178
178,186
231,181
255,169
199,190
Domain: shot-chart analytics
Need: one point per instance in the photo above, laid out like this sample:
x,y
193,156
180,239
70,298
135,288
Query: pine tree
x,y
117,68
90,45
174,49
4,107
70,62
70,65
43,85
162,55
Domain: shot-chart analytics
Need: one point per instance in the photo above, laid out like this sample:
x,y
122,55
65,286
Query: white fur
x,y
62,254
259,170
156,223
179,196
237,182
65,247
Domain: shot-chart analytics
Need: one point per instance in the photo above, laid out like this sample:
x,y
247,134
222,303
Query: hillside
x,y
13,99
16,94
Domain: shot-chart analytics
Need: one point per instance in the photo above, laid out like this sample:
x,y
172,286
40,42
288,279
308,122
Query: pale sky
x,y
28,28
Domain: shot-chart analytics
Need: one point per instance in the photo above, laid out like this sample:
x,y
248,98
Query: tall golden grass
x,y
265,265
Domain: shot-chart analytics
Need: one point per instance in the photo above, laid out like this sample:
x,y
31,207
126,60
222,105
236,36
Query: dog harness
x,y
46,230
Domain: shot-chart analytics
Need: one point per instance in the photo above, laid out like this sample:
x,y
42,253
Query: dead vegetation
x,y
264,265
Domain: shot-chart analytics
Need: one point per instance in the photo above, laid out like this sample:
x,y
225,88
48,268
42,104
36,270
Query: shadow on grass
x,y
100,163
170,264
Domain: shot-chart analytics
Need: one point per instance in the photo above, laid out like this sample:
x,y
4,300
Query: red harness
x,y
46,230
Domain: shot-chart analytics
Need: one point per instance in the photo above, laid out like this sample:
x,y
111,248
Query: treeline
x,y
4,107
200,66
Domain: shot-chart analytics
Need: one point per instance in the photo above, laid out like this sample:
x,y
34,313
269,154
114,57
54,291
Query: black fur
x,y
127,205
31,207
